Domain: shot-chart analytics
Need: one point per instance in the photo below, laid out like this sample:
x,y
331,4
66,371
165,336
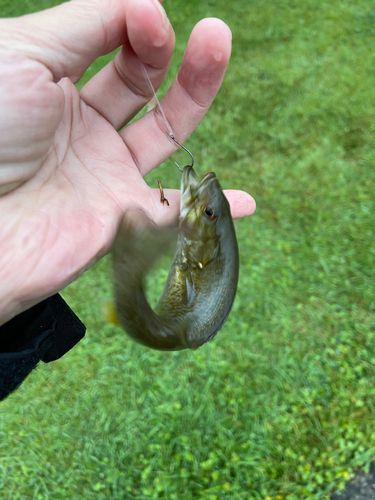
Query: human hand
x,y
66,174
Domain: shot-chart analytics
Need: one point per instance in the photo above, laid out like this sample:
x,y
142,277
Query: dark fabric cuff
x,y
45,332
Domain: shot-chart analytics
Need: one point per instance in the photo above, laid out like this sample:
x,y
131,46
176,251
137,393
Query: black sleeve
x,y
44,332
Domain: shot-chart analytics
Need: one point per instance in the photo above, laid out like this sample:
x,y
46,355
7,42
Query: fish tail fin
x,y
109,311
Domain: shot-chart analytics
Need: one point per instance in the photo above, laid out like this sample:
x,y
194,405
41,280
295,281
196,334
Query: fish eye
x,y
209,212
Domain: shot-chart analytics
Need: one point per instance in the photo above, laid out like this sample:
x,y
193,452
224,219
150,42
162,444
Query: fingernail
x,y
161,10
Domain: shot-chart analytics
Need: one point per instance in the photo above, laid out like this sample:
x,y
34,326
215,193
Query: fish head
x,y
203,206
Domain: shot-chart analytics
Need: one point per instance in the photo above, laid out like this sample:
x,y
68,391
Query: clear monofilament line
x,y
169,128
157,100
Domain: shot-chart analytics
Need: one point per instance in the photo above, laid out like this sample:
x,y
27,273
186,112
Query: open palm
x,y
66,174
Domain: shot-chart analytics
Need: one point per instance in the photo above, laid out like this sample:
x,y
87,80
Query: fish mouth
x,y
189,179
191,185
209,175
193,188
206,181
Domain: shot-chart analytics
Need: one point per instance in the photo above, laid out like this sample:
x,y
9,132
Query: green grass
x,y
281,404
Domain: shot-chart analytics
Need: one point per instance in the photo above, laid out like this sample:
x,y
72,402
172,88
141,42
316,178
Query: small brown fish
x,y
202,281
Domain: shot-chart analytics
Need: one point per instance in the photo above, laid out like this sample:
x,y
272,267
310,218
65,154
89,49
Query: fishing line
x,y
157,100
169,128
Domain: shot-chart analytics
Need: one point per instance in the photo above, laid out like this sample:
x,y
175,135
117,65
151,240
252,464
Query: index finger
x,y
120,89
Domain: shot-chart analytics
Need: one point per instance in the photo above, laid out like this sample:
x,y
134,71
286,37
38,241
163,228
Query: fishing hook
x,y
186,149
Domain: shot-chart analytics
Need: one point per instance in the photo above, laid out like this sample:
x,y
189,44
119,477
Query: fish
x,y
202,282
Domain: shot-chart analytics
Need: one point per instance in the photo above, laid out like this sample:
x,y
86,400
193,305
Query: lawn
x,y
281,405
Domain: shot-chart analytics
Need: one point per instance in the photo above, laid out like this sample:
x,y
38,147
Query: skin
x,y
202,281
66,174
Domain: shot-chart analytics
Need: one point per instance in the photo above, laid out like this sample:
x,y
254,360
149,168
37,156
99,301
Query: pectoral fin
x,y
190,288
